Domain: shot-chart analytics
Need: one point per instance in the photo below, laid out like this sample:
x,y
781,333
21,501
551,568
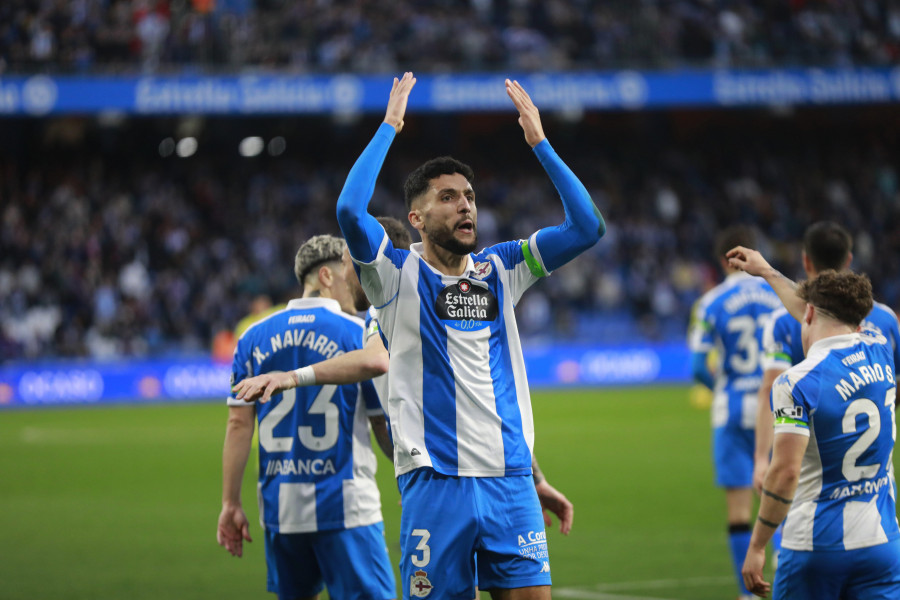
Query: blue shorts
x,y
454,527
732,449
871,573
351,563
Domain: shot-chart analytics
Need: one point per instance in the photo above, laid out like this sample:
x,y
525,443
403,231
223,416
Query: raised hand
x,y
747,260
529,117
396,108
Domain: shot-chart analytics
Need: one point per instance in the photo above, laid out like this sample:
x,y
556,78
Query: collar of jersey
x,y
737,276
416,249
835,342
306,303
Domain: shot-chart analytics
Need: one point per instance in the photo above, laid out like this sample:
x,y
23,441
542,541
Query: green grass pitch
x,y
122,502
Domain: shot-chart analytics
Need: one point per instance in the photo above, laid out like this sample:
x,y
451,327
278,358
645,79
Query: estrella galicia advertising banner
x,y
41,95
176,379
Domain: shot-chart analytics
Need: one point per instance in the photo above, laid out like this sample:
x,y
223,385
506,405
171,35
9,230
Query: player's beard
x,y
443,236
360,301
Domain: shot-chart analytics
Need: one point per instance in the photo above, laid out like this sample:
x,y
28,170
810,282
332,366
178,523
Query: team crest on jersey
x,y
482,270
419,586
466,305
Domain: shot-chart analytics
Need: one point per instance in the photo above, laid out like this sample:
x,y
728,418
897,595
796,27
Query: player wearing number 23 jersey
x,y
319,504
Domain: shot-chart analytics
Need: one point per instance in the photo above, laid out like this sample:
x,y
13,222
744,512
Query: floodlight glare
x,y
251,146
166,147
186,147
277,146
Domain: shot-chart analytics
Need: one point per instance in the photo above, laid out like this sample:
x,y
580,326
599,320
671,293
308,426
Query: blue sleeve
x,y
584,225
362,231
700,371
370,395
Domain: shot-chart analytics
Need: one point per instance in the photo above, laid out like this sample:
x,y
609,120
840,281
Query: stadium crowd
x,y
152,36
116,251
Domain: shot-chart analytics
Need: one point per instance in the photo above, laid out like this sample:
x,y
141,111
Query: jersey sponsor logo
x,y
533,545
792,412
419,586
872,486
482,270
302,319
466,306
287,466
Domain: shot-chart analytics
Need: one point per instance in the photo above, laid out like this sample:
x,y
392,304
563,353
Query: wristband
x,y
304,376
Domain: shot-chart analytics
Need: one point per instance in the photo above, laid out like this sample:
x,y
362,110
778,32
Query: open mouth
x,y
466,227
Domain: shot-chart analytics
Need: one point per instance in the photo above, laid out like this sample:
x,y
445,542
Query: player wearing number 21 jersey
x,y
834,441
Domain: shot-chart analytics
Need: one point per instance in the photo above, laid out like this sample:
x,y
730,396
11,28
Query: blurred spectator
x,y
107,250
356,35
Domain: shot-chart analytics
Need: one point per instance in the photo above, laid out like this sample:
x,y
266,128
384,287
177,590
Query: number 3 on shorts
x,y
422,546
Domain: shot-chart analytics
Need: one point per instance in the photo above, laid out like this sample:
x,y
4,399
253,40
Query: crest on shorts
x,y
419,585
482,270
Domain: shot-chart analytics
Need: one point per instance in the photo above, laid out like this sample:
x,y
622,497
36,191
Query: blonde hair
x,y
317,251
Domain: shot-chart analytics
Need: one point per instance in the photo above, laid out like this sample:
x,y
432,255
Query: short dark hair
x,y
397,232
736,235
846,296
417,182
827,245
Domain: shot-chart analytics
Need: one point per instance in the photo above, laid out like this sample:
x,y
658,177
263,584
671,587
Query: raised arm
x,y
752,262
361,230
584,225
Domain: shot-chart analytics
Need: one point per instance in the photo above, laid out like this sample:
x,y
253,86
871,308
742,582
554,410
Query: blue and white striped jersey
x,y
842,396
380,382
316,465
782,346
458,397
728,318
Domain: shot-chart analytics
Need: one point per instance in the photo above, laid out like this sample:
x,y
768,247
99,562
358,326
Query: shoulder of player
x,y
256,328
805,371
881,309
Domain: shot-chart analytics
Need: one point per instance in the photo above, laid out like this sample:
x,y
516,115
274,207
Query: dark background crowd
x,y
111,245
368,36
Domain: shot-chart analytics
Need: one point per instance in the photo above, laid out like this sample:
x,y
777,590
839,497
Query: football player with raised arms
x,y
458,399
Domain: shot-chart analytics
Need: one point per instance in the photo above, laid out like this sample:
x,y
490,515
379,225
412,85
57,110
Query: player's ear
x,y
415,219
326,277
810,311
